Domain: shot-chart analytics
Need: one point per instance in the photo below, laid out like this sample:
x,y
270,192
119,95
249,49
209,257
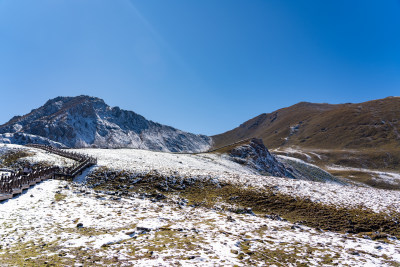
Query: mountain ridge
x,y
362,125
85,121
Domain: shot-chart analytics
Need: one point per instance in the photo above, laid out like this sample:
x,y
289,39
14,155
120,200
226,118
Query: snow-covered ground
x,y
38,155
134,231
70,224
7,147
220,167
168,163
388,177
293,150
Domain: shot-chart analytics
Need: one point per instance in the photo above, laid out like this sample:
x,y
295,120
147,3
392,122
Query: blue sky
x,y
201,66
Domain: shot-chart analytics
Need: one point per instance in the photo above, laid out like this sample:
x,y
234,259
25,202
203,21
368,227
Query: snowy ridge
x,y
23,139
85,121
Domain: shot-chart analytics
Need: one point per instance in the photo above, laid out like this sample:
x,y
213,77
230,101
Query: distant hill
x,y
85,121
373,124
360,142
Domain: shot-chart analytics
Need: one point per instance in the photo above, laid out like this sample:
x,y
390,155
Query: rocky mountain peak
x,y
85,121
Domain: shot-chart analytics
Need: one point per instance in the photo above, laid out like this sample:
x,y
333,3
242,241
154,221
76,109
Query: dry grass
x,y
228,148
371,126
208,194
12,157
368,159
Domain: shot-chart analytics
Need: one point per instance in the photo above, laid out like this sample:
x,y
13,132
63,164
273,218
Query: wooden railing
x,y
82,161
15,183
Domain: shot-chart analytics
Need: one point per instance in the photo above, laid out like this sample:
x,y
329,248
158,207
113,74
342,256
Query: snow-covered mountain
x,y
23,139
85,121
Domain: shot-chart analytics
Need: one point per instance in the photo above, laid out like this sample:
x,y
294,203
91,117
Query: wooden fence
x,y
17,182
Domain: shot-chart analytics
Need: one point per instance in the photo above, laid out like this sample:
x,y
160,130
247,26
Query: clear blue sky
x,y
201,66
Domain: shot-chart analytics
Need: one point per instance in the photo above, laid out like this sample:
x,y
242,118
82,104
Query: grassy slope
x,y
364,160
365,135
372,124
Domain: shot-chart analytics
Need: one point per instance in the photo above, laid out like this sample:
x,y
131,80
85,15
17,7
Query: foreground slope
x,y
148,208
85,121
128,231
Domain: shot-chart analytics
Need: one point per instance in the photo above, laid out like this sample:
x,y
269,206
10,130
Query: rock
x,y
256,156
130,233
367,237
355,253
295,226
246,211
230,219
143,229
79,225
182,202
156,197
274,217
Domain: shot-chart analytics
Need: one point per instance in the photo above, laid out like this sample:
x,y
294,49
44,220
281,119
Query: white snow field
x,y
38,155
220,167
67,224
38,225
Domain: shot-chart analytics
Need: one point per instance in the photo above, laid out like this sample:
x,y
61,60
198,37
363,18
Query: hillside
x,y
85,121
360,142
374,124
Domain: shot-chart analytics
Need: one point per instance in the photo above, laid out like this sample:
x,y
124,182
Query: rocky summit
x,y
255,155
85,121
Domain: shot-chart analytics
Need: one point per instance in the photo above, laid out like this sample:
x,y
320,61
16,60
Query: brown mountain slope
x,y
374,124
360,142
